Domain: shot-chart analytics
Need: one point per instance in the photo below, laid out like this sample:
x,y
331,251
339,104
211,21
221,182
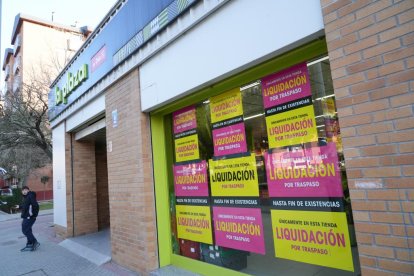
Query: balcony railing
x,y
17,44
17,84
17,65
7,72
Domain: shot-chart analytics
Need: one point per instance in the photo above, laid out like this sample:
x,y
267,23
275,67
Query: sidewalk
x,y
50,258
54,258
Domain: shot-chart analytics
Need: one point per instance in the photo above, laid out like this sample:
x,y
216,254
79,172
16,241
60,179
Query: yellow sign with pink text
x,y
234,176
226,105
319,238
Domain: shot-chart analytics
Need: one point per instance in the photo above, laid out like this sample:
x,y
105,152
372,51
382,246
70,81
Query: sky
x,y
68,12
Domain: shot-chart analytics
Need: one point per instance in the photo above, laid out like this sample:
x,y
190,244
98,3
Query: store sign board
x,y
285,86
229,140
104,52
194,223
225,106
234,177
239,228
186,148
184,119
191,179
319,238
73,81
312,172
293,127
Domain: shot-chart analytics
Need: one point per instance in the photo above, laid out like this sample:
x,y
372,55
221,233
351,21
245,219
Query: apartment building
x,y
40,50
38,46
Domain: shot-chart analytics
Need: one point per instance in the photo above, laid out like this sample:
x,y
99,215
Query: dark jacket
x,y
30,207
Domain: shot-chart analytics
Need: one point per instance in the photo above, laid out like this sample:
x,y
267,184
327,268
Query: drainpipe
x,y
73,188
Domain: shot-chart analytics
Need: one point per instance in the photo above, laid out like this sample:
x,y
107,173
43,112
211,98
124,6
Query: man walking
x,y
30,210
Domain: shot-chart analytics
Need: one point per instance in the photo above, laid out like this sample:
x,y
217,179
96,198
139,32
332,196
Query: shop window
x,y
259,182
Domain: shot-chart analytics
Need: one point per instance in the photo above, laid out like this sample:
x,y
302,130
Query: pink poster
x,y
312,172
229,140
191,179
98,59
239,228
184,119
285,86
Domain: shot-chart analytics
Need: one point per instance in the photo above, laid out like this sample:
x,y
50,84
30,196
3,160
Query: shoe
x,y
35,245
27,248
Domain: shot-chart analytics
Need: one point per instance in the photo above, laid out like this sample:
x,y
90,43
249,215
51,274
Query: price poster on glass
x,y
290,118
233,178
303,176
193,212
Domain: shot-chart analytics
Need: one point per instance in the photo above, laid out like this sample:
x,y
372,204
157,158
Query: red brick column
x,y
130,178
371,49
84,182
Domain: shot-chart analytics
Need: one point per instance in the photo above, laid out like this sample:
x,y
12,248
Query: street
x,y
49,259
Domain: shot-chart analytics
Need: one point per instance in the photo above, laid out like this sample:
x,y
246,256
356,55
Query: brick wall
x,y
69,210
371,49
84,182
102,186
130,180
43,191
84,219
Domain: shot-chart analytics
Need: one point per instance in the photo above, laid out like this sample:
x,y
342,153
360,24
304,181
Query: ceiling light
x,y
318,60
254,116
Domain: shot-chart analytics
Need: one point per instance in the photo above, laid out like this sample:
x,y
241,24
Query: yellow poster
x,y
186,148
234,177
225,106
194,223
292,127
319,238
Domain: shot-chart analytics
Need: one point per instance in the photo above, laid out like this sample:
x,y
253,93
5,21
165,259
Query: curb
x,y
10,217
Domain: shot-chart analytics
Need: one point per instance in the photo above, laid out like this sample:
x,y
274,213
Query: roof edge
x,y
20,17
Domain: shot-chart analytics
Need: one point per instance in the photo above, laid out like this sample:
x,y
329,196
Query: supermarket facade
x,y
231,137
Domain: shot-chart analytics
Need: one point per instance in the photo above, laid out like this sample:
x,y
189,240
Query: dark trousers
x,y
27,230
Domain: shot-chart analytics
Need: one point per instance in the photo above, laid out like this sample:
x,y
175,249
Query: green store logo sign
x,y
73,81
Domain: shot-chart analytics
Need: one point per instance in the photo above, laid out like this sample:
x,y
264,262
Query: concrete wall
x,y
45,48
130,178
239,35
59,175
371,49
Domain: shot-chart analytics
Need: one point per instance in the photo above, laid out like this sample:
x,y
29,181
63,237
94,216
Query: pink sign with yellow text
x,y
239,228
191,179
229,140
312,172
184,119
285,86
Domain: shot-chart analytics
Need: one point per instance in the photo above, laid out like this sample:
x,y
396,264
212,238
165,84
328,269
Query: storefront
x,y
255,174
217,142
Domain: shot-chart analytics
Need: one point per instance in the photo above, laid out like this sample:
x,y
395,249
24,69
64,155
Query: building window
x,y
259,182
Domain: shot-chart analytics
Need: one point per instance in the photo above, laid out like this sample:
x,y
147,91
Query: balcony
x,y
17,44
17,65
17,84
7,73
7,88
